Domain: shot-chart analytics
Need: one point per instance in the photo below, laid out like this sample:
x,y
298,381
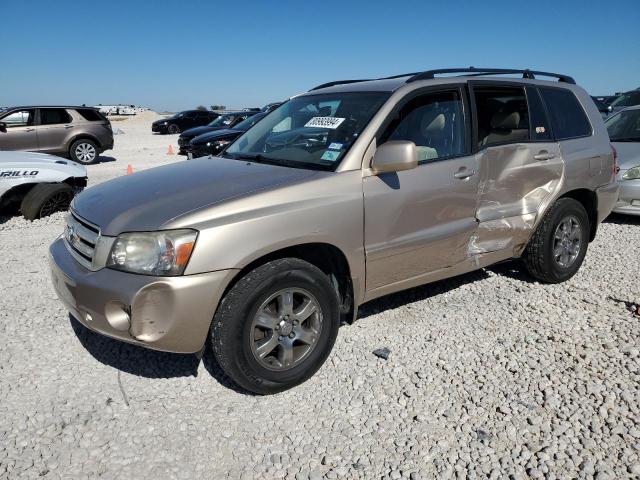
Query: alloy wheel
x,y
286,329
567,241
85,152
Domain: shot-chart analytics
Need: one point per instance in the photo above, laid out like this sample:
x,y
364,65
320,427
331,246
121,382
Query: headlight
x,y
632,173
164,253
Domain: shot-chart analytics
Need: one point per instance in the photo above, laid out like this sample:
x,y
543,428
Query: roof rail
x,y
526,73
469,72
337,82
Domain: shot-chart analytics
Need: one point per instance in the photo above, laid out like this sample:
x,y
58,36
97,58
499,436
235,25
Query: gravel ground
x,y
489,375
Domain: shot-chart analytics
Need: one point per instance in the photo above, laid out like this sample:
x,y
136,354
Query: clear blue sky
x,y
179,54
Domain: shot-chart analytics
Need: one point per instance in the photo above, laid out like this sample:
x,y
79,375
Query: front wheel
x,y
46,198
559,244
276,326
173,128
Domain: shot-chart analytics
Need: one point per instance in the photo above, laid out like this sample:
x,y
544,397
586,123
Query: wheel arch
x,y
589,200
81,136
327,257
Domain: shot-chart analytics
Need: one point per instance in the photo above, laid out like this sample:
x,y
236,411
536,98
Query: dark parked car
x,y
183,121
79,133
603,108
213,143
225,120
624,100
269,107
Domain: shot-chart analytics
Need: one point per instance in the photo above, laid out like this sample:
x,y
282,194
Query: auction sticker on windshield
x,y
330,155
324,122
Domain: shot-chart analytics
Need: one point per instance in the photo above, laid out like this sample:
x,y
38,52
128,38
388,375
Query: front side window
x,y
312,131
502,115
21,118
54,116
567,117
434,122
624,127
222,121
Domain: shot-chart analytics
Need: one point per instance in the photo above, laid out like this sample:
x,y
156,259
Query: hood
x,y
216,135
148,200
628,154
41,161
194,132
162,120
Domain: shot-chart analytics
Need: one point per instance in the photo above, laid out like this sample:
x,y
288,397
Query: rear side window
x,y
502,115
90,114
53,116
567,117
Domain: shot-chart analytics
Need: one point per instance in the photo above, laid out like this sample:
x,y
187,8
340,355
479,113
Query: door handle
x,y
68,126
463,173
544,155
29,129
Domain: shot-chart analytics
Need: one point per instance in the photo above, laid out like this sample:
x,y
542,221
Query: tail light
x,y
615,166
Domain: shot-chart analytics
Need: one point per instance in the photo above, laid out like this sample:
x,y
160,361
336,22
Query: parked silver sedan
x,y
624,132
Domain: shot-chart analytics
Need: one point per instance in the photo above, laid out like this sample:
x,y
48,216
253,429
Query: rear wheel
x,y
45,199
559,244
173,128
276,326
84,151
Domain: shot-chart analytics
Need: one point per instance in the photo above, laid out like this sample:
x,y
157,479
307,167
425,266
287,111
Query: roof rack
x,y
469,72
338,82
476,72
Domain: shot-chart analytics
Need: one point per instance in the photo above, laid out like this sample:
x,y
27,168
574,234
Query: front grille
x,y
81,237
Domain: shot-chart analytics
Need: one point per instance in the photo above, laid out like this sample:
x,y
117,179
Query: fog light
x,y
88,318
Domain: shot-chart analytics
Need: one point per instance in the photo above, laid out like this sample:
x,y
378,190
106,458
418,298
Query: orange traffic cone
x,y
170,151
129,170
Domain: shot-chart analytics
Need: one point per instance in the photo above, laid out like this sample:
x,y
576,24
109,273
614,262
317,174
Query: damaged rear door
x,y
520,164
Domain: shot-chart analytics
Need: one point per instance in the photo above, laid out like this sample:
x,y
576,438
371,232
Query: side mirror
x,y
3,127
395,156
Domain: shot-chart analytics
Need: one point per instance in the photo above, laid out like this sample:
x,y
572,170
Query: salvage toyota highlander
x,y
351,191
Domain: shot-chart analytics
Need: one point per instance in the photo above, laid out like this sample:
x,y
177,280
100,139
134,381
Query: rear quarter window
x,y
90,114
568,119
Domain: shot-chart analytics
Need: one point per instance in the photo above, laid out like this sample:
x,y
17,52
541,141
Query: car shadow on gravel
x,y
619,219
104,159
133,359
147,363
423,292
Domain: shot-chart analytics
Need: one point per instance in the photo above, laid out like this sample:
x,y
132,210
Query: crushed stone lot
x,y
487,375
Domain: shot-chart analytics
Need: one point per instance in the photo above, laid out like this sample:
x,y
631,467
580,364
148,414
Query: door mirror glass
x,y
395,156
3,127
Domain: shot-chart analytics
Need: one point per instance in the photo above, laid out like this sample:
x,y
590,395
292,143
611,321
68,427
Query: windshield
x,y
222,121
626,100
249,122
624,126
310,131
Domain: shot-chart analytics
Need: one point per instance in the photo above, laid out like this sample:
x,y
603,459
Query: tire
x,y
84,151
45,199
173,128
566,215
236,325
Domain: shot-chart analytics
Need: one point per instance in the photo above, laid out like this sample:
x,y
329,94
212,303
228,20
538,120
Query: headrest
x,y
434,125
505,120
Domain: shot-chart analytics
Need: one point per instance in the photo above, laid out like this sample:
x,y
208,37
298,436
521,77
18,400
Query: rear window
x,y
90,114
53,116
568,119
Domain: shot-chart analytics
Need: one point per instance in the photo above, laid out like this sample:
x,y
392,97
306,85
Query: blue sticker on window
x,y
336,146
330,155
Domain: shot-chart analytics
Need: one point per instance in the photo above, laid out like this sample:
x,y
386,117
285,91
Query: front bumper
x,y
171,314
629,199
159,128
607,198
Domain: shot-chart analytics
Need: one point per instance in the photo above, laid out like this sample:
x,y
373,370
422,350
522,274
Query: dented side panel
x,y
516,182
